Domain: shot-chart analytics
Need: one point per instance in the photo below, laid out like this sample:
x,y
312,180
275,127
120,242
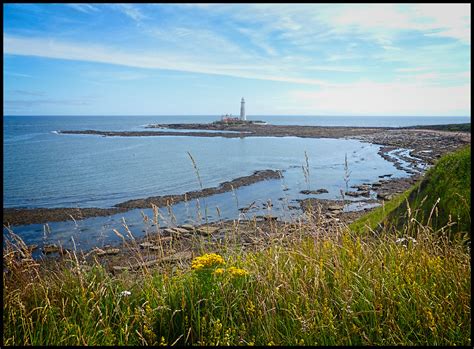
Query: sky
x,y
201,59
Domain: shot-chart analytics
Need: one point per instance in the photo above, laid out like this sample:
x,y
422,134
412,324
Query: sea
x,y
44,169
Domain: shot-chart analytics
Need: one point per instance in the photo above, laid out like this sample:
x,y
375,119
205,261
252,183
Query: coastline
x,y
178,244
424,145
23,216
427,144
237,131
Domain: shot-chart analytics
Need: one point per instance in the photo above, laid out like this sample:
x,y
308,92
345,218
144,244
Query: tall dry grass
x,y
309,287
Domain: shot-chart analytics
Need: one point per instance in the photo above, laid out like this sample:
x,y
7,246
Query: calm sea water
x,y
44,169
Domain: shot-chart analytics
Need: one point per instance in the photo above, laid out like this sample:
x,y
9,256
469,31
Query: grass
x,y
346,286
466,127
446,188
377,218
343,289
442,199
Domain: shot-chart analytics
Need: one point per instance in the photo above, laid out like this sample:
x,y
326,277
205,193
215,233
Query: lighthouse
x,y
242,110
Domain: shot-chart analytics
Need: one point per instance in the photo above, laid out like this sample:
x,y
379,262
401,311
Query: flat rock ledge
x,y
23,216
333,210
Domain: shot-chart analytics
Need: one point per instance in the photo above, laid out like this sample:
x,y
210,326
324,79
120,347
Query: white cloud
x,y
337,68
259,39
97,53
410,70
86,8
446,20
20,75
197,41
364,16
378,22
131,11
449,20
19,104
373,98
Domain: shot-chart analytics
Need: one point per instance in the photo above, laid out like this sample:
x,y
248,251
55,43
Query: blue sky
x,y
200,59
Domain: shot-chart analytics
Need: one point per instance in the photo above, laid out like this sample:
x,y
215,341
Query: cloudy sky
x,y
198,59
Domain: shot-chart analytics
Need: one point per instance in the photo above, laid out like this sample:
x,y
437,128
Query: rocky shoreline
x,y
14,216
425,145
237,131
335,211
177,245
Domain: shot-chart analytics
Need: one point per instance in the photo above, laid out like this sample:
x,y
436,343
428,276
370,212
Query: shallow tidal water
x,y
44,169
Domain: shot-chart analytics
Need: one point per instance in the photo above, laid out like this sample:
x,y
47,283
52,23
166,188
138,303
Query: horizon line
x,y
253,115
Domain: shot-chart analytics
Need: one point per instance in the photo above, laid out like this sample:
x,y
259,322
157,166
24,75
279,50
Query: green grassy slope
x,y
442,198
448,127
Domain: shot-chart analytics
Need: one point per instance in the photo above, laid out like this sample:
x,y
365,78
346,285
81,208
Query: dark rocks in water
x,y
267,218
112,251
52,248
40,215
385,175
188,227
247,208
335,207
207,230
176,257
362,187
385,196
146,244
357,193
268,204
176,232
319,191
108,251
181,230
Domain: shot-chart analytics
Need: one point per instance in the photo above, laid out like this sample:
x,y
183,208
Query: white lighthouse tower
x,y
242,110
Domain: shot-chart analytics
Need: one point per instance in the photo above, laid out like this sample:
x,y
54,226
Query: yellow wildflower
x,y
207,260
197,265
250,307
238,271
219,271
431,320
163,342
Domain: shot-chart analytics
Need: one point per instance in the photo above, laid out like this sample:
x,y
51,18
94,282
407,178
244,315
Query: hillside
x,y
442,198
448,127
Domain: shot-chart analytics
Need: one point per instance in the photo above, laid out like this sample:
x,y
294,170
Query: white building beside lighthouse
x,y
242,110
